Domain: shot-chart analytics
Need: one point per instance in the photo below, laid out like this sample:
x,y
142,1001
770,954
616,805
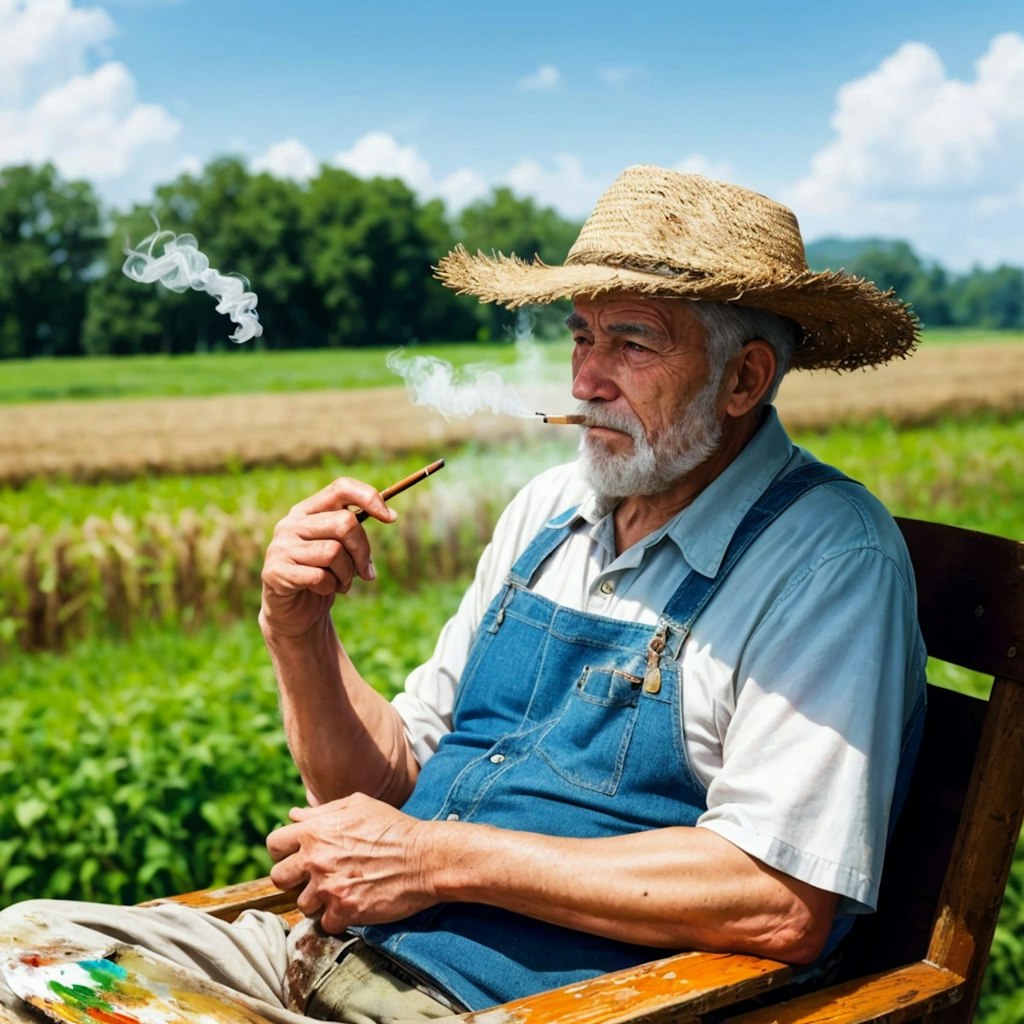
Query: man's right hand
x,y
316,552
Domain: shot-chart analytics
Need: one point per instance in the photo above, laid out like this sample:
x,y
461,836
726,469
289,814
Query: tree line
x,y
992,299
336,261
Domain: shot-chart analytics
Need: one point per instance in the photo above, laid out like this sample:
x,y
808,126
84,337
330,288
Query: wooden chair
x,y
923,954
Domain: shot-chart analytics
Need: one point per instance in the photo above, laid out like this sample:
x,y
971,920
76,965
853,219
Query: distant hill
x,y
992,299
842,253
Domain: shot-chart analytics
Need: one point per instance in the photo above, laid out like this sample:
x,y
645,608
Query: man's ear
x,y
750,375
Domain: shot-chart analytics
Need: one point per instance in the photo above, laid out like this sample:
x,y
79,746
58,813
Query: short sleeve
x,y
814,741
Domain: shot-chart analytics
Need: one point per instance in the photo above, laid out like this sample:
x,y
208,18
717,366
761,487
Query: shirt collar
x,y
704,528
702,531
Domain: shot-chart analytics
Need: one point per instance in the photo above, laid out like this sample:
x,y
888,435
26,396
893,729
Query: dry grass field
x,y
119,439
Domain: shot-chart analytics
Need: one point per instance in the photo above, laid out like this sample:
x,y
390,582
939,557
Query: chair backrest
x,y
950,855
947,864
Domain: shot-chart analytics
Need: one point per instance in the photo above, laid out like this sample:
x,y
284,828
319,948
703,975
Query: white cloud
x,y
619,76
564,184
89,123
43,43
561,183
91,126
460,188
141,4
190,164
696,163
544,79
380,154
920,153
290,159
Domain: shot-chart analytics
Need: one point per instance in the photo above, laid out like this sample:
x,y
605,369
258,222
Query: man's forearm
x,y
343,735
677,888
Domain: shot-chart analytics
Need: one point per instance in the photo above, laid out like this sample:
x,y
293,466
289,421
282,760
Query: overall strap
x,y
696,590
551,534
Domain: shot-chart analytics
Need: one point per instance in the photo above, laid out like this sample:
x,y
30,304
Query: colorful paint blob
x,y
122,986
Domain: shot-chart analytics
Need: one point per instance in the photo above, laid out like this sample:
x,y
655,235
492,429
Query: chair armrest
x,y
230,900
900,994
671,989
675,989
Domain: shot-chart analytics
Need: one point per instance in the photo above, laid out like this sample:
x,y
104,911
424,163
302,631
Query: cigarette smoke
x,y
457,393
183,266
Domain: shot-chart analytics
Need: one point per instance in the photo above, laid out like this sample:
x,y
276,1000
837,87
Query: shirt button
x,y
608,587
497,758
453,817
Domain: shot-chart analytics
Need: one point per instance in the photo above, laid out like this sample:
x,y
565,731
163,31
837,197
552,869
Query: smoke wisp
x,y
459,392
183,266
456,392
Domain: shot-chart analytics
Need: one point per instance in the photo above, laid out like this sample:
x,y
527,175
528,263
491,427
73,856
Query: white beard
x,y
650,468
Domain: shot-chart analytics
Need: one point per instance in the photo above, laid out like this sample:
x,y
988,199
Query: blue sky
x,y
899,119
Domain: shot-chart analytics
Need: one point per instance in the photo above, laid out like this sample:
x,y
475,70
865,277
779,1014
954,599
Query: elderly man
x,y
679,702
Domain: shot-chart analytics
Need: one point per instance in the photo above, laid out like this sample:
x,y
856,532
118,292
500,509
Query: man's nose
x,y
593,376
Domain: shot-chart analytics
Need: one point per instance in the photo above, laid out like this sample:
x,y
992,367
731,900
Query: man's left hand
x,y
357,860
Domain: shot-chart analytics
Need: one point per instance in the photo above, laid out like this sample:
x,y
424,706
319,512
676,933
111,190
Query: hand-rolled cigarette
x,y
574,420
402,485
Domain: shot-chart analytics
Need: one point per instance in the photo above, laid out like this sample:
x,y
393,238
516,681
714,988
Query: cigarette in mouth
x,y
402,485
572,420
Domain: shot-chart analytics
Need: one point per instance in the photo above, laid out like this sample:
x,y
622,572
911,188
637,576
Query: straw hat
x,y
658,232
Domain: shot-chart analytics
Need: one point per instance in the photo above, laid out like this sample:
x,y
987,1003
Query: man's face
x,y
641,373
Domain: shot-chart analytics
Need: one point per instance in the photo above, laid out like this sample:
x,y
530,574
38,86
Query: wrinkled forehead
x,y
630,313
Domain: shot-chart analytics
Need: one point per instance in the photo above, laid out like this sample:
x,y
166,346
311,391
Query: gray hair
x,y
729,327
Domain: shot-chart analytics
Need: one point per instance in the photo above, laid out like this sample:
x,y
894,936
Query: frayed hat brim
x,y
846,321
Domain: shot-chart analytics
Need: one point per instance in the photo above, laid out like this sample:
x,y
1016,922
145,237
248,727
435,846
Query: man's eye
x,y
635,346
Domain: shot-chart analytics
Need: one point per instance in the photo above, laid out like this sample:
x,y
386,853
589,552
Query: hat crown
x,y
665,222
664,234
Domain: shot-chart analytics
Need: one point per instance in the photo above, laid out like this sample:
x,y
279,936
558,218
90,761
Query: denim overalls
x,y
567,724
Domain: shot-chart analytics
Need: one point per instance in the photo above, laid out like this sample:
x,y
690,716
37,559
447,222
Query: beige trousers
x,y
247,961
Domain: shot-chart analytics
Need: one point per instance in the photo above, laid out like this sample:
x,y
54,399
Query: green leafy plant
x,y
147,757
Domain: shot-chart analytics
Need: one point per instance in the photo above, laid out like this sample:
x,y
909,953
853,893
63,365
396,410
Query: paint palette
x,y
121,986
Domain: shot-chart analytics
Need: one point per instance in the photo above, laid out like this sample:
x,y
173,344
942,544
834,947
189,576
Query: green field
x,y
134,769
76,559
247,370
974,335
244,370
109,551
147,756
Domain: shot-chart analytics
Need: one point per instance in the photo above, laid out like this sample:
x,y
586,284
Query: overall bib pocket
x,y
589,741
478,702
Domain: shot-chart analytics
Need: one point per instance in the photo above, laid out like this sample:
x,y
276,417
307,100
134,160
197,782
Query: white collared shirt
x,y
797,680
